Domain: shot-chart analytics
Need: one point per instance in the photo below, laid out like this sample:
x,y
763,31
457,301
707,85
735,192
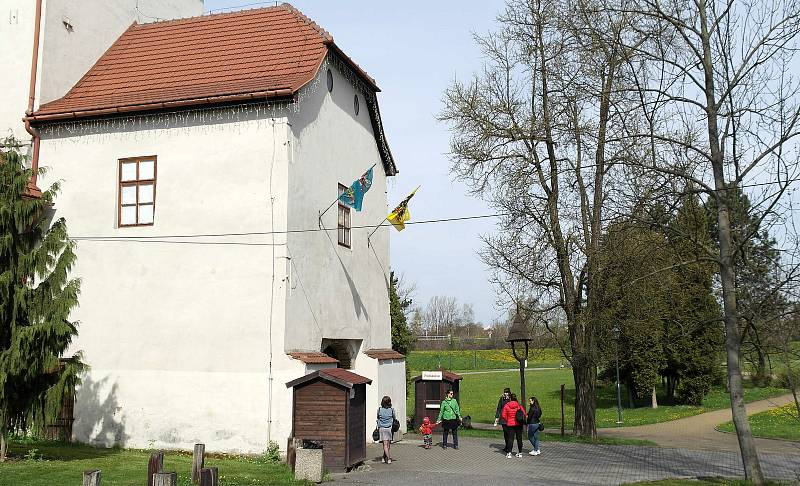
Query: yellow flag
x,y
400,215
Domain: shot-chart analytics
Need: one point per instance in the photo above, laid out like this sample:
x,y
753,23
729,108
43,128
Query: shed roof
x,y
313,357
339,376
384,353
445,375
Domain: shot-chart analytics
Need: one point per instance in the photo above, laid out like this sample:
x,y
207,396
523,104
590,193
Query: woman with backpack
x,y
450,414
515,417
385,423
534,416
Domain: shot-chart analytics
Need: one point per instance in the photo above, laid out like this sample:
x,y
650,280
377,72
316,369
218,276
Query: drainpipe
x,y
32,189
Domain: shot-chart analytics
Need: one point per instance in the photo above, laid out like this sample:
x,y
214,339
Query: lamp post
x,y
616,332
518,333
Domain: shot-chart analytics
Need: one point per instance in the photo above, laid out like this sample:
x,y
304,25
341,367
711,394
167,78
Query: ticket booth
x,y
429,391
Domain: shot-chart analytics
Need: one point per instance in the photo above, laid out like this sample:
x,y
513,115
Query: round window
x,y
355,104
330,81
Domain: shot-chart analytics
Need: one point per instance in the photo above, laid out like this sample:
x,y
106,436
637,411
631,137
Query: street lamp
x,y
518,333
616,332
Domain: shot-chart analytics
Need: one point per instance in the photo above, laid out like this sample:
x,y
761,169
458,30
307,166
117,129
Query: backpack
x,y
519,416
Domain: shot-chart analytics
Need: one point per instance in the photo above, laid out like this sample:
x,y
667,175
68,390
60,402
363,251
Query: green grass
x,y
481,359
46,463
777,423
479,394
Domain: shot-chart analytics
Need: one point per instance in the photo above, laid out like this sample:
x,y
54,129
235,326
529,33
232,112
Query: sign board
x,y
432,375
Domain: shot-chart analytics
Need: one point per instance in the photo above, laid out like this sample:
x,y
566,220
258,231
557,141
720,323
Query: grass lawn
x,y
480,359
778,423
45,463
479,394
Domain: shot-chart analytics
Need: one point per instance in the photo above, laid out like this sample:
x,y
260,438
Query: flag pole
x,y
337,198
387,217
376,229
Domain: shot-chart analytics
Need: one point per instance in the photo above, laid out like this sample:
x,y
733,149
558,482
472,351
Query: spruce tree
x,y
401,336
36,297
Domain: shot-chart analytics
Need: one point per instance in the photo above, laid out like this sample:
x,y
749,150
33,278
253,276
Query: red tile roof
x,y
379,354
314,358
345,376
260,53
339,376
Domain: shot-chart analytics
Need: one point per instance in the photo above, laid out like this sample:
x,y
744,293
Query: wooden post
x,y
91,477
209,476
165,479
562,410
198,459
155,465
291,451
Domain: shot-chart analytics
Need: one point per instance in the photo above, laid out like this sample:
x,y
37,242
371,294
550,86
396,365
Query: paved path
x,y
480,461
698,432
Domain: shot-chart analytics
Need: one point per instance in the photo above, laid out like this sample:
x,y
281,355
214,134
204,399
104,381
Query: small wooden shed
x,y
429,391
329,408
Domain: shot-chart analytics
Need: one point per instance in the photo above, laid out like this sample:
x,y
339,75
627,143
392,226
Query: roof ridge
x,y
324,33
210,15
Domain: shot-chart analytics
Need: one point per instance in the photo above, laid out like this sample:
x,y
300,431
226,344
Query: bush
x,y
782,379
273,453
692,390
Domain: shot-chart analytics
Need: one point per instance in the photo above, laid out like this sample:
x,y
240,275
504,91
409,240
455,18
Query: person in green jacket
x,y
450,414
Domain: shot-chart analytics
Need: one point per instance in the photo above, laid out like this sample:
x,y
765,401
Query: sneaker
x,y
508,455
537,453
519,454
388,461
383,459
455,447
532,453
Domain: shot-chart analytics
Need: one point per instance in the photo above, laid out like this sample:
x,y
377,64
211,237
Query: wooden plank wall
x,y
320,415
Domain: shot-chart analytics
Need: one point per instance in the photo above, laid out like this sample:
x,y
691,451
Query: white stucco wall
x,y
178,335
16,44
95,24
338,292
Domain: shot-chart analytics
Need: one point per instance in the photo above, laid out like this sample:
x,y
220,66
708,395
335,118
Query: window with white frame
x,y
343,223
137,191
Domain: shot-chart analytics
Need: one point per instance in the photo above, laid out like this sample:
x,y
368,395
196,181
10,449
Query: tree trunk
x,y
3,445
752,466
653,399
631,403
585,376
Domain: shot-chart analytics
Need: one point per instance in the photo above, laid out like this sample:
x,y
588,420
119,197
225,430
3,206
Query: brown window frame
x,y
343,222
136,183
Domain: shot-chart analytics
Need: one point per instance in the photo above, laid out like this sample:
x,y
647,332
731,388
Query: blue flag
x,y
353,196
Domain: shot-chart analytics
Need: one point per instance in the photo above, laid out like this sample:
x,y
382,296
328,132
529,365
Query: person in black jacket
x,y
504,398
534,416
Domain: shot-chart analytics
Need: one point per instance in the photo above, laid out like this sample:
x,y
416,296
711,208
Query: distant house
x,y
196,156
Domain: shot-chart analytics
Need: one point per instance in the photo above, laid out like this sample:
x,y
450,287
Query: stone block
x,y
309,465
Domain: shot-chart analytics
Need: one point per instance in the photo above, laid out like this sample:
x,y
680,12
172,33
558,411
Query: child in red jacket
x,y
426,429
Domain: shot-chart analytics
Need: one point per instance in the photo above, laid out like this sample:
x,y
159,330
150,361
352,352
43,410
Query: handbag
x,y
395,423
376,435
541,426
519,416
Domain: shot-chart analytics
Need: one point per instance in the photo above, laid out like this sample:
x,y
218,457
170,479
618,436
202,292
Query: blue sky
x,y
414,50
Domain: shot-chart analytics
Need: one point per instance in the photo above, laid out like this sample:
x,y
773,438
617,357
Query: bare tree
x,y
722,115
441,314
531,134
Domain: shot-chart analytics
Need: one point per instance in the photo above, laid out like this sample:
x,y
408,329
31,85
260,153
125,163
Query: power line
x,y
262,233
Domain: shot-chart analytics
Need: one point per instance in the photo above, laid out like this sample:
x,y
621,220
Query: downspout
x,y
32,189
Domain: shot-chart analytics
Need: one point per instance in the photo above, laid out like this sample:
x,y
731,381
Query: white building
x,y
195,158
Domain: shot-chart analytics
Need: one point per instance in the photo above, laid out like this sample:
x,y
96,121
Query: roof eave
x,y
283,93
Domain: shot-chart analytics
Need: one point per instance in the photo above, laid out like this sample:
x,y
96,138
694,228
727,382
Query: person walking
x,y
450,414
514,415
384,421
534,416
504,398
